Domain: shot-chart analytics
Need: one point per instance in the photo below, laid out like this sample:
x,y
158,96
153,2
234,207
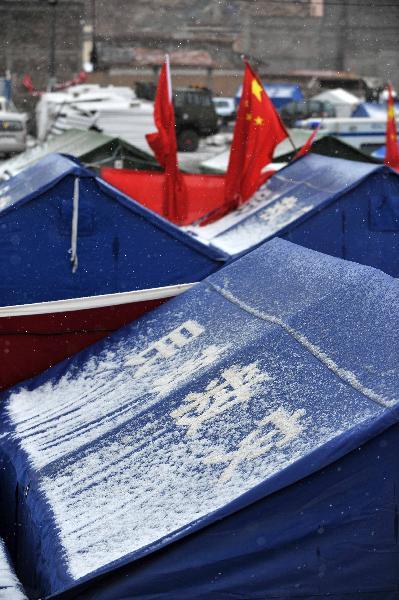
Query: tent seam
x,y
347,376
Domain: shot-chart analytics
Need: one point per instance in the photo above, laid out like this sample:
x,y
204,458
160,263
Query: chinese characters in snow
x,y
283,212
235,386
165,348
276,430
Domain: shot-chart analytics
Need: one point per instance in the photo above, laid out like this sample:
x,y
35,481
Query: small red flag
x,y
307,145
257,132
164,146
391,144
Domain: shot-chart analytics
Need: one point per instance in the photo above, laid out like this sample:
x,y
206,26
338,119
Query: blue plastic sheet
x,y
343,208
238,442
121,246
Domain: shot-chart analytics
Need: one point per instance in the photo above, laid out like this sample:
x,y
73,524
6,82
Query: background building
x,y
42,38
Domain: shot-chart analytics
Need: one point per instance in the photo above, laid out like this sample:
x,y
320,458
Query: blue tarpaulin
x,y
343,208
238,442
372,110
121,246
279,93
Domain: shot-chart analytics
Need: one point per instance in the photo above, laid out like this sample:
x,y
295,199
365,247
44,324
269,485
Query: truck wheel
x,y
188,141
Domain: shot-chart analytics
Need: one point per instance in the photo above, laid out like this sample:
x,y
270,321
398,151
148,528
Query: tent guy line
x,y
347,376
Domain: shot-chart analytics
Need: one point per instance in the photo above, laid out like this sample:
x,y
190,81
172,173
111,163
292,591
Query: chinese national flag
x,y
257,132
307,145
164,145
392,150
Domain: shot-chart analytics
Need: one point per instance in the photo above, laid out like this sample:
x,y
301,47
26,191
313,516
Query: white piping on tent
x,y
90,302
74,228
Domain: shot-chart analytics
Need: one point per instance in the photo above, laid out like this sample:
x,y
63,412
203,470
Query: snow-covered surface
x,y
237,232
10,587
286,197
190,407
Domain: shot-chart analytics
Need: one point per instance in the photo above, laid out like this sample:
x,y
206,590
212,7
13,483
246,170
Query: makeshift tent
x,y
372,110
10,587
82,259
120,245
92,148
204,194
344,102
279,93
343,208
238,442
329,145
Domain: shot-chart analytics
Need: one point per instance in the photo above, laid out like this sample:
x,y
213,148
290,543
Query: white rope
x,y
74,229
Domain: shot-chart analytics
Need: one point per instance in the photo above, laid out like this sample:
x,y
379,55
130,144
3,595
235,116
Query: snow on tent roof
x,y
10,587
290,195
86,145
121,245
268,371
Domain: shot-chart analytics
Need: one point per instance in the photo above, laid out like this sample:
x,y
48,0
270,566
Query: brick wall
x,y
25,41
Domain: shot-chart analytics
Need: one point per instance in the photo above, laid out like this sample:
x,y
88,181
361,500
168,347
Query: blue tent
x,y
380,153
238,442
372,110
343,208
10,587
121,246
279,93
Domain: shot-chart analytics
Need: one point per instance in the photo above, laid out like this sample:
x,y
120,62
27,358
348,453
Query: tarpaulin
x,y
120,245
238,442
344,208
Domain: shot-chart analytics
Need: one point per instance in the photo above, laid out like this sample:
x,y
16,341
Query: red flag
x,y
257,132
391,147
307,145
164,146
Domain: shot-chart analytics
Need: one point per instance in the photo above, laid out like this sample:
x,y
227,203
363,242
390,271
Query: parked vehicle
x,y
361,132
12,132
195,113
225,109
305,109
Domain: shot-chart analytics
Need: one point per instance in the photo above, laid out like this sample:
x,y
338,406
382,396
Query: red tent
x,y
205,193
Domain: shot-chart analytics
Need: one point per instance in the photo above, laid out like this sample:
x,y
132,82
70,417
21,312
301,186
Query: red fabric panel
x,y
205,193
31,344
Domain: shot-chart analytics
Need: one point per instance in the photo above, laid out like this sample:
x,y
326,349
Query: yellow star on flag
x,y
258,121
248,116
391,112
256,89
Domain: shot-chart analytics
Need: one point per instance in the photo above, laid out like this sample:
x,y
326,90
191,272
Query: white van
x,y
361,132
13,132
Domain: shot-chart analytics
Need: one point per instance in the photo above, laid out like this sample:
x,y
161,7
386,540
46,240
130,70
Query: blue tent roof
x,y
291,195
343,208
219,441
121,245
279,93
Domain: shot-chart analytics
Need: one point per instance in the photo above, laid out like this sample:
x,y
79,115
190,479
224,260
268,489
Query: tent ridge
x,y
344,374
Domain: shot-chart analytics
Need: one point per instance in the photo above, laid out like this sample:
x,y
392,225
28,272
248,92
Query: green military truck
x,y
195,114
